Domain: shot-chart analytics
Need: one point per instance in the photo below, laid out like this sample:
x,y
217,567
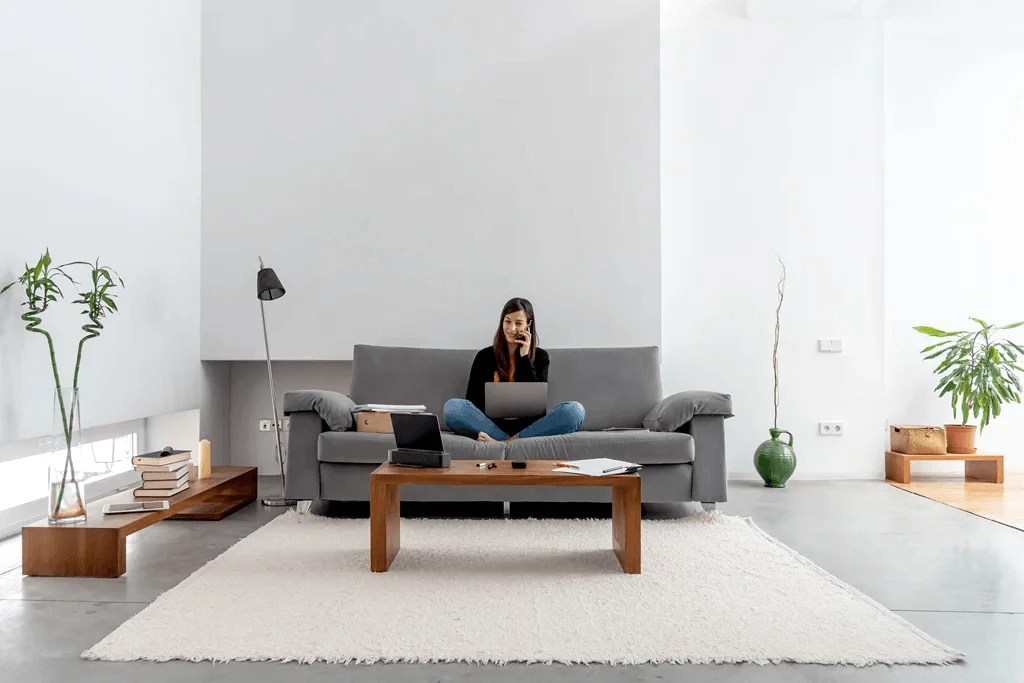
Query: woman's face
x,y
513,325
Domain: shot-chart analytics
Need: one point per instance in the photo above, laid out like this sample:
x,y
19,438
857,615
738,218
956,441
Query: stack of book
x,y
164,473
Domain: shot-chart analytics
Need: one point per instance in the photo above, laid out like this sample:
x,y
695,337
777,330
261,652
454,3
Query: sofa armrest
x,y
676,410
709,482
333,407
302,465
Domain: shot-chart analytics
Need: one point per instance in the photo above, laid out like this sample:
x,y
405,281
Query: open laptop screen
x,y
417,431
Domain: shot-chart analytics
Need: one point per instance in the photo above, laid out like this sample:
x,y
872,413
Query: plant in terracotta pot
x,y
978,370
774,459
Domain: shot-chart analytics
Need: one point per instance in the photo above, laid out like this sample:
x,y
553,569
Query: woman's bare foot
x,y
484,437
512,438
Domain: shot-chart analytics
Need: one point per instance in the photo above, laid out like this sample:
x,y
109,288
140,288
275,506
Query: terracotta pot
x,y
960,439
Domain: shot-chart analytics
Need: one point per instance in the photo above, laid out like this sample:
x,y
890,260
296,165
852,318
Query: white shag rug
x,y
714,588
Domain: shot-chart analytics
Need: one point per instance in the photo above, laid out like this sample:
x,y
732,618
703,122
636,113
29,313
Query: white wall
x,y
100,132
771,140
250,403
177,430
954,131
406,167
875,156
881,155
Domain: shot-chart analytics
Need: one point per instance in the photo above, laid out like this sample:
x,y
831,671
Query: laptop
x,y
515,399
417,432
418,437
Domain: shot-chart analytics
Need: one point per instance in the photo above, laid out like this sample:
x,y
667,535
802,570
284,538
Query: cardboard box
x,y
917,439
373,422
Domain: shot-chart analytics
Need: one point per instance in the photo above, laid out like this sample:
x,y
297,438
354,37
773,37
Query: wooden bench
x,y
96,547
978,467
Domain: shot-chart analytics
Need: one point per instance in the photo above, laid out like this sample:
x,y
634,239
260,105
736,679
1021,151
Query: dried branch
x,y
778,326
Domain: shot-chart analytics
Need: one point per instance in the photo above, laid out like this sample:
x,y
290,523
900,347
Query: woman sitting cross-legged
x,y
514,357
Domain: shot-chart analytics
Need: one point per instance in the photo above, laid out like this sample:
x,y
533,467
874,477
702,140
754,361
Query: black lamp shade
x,y
268,285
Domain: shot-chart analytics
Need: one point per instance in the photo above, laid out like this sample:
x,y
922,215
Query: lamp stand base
x,y
278,501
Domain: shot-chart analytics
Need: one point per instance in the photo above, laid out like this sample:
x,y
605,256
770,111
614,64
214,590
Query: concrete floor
x,y
958,577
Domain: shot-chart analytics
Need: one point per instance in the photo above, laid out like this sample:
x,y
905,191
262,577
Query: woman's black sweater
x,y
527,370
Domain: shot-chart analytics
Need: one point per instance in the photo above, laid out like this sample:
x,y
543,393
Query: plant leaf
x,y
932,331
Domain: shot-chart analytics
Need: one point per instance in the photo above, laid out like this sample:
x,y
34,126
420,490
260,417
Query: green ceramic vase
x,y
775,459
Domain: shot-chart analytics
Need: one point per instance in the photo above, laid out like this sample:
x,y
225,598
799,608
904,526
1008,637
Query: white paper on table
x,y
597,467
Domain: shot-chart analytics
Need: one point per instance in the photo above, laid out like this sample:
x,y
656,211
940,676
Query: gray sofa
x,y
683,454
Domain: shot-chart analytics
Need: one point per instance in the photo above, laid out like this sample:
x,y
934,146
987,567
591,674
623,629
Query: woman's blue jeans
x,y
565,418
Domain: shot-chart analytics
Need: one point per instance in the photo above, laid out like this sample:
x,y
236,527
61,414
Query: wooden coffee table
x,y
96,547
385,501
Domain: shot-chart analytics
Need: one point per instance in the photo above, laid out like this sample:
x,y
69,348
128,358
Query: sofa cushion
x,y
617,386
646,448
366,447
396,374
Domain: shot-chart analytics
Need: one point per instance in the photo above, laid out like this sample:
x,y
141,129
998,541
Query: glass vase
x,y
66,470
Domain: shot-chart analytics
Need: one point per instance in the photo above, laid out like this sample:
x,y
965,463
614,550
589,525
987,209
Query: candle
x,y
204,459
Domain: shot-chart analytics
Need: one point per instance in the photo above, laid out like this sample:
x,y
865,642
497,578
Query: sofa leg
x,y
303,507
708,507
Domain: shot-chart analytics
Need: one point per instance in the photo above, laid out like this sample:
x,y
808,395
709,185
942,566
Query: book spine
x,y
157,493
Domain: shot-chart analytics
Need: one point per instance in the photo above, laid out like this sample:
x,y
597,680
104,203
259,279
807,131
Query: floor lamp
x,y
268,288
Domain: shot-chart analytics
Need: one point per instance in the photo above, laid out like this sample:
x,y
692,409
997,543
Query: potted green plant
x,y
978,370
39,283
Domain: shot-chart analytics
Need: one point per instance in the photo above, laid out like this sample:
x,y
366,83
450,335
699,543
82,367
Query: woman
x,y
514,357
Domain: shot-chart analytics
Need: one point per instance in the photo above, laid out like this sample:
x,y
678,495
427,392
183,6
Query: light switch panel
x,y
830,345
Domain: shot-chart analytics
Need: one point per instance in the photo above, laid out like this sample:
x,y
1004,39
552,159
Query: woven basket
x,y
917,439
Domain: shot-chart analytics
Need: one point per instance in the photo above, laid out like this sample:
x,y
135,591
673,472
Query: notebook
x,y
599,467
160,493
388,408
164,457
173,469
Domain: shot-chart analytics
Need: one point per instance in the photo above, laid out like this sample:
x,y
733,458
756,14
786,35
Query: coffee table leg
x,y
385,525
626,525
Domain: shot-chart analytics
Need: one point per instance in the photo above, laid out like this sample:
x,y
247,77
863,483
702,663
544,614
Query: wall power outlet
x,y
831,428
268,425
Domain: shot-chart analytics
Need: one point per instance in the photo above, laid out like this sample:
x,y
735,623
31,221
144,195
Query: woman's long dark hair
x,y
501,355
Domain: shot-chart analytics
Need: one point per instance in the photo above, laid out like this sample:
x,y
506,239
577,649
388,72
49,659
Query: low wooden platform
x,y
977,467
96,547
